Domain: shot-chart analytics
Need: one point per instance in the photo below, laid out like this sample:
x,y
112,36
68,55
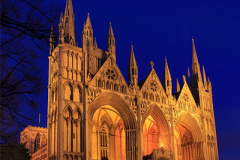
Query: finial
x,y
88,14
152,64
131,43
184,78
110,23
165,58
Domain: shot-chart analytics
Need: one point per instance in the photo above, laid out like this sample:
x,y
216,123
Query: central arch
x,y
113,125
155,131
188,138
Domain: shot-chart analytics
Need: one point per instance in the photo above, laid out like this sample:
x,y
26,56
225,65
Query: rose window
x,y
153,86
111,74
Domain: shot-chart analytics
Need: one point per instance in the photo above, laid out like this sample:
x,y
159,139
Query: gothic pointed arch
x,y
156,130
110,108
190,137
123,108
192,124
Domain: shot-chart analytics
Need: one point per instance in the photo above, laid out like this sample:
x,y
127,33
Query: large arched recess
x,y
119,104
126,114
191,123
190,137
164,139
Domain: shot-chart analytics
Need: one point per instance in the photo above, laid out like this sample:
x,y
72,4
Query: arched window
x,y
107,85
151,97
37,142
157,98
78,94
69,92
68,132
104,146
115,87
99,83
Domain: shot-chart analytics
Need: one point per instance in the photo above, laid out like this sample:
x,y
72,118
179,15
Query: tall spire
x,y
204,76
110,31
196,73
132,69
87,33
166,70
88,21
194,53
132,60
69,8
167,80
177,86
111,42
67,25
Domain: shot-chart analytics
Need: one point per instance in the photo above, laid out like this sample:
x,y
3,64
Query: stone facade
x,y
93,113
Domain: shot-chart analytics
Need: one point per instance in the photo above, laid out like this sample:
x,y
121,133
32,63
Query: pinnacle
x,y
178,86
132,60
95,43
88,21
110,31
69,7
204,76
167,74
194,53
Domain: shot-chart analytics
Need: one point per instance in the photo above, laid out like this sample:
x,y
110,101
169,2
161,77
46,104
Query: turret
x,y
132,69
167,80
67,31
52,40
111,42
88,31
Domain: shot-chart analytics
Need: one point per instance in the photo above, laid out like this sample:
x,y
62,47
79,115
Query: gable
x,y
109,76
152,89
185,99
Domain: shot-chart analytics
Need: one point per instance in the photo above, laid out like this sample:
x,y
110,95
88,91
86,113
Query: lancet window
x,y
37,142
68,132
104,144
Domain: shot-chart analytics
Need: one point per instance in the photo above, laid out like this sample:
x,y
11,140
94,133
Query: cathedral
x,y
95,114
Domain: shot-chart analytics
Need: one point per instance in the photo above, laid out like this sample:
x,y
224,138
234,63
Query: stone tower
x,y
94,113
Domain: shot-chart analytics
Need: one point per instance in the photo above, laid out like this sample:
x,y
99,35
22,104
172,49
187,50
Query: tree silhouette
x,y
14,151
25,30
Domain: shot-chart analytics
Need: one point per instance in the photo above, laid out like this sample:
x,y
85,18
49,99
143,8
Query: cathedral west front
x,y
94,113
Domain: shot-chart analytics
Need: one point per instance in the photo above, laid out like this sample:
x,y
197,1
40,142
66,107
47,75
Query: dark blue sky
x,y
165,28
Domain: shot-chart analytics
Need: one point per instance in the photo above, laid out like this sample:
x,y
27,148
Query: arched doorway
x,y
112,128
108,134
188,139
155,131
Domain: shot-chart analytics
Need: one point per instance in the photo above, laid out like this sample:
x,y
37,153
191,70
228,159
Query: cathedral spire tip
x,y
88,21
110,31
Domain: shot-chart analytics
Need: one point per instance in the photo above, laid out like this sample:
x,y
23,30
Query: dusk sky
x,y
160,28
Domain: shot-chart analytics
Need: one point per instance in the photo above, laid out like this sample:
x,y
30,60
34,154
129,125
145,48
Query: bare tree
x,y
18,151
25,30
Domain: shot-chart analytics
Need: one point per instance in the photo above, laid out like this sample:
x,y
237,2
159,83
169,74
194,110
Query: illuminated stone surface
x,y
94,114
